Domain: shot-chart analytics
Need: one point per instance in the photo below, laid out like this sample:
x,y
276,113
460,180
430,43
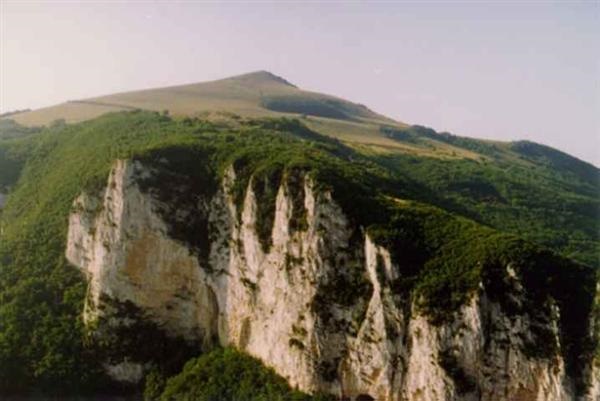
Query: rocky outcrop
x,y
317,304
123,246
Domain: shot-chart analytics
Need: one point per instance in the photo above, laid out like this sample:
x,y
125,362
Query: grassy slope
x,y
249,95
41,337
258,94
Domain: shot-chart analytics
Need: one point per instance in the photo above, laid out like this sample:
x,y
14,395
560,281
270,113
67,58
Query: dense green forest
x,y
524,188
460,221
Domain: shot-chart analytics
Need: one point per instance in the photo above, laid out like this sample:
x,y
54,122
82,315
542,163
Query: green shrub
x,y
229,375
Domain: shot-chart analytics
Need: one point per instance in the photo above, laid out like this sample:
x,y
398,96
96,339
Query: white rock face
x,y
287,306
497,370
122,245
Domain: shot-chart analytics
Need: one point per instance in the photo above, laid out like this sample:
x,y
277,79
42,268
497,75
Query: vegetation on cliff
x,y
443,256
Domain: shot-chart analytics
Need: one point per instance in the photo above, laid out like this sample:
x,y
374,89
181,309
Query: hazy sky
x,y
504,70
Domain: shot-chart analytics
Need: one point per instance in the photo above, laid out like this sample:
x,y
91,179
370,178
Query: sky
x,y
498,70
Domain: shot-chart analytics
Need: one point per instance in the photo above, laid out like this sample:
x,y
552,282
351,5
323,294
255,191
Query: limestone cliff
x,y
316,303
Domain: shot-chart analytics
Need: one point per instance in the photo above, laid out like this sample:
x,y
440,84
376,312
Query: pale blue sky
x,y
503,70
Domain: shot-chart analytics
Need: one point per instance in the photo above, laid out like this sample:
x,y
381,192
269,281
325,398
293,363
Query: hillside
x,y
501,184
263,94
257,94
250,95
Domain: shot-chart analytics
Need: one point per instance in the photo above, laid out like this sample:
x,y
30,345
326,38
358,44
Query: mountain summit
x,y
256,94
261,77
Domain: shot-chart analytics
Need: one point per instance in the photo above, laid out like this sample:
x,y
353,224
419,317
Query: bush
x,y
229,375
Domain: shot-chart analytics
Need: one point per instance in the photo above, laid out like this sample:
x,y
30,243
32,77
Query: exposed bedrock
x,y
315,303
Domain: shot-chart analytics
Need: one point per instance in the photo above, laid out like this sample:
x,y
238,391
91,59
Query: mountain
x,y
529,189
250,95
286,259
257,94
